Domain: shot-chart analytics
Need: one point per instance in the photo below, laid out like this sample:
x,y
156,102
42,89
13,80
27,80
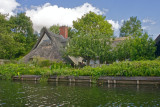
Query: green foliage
x,y
22,26
137,48
59,65
41,62
16,36
71,32
93,24
89,48
9,47
9,70
131,27
158,58
55,29
5,25
125,68
121,51
92,40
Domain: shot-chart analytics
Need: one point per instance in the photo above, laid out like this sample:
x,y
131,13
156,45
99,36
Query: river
x,y
54,94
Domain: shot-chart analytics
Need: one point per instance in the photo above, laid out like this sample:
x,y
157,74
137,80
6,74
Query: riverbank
x,y
125,71
89,79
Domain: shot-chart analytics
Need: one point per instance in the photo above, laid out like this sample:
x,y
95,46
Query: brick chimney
x,y
64,31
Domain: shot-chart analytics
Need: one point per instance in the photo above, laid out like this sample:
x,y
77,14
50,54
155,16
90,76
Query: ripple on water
x,y
48,95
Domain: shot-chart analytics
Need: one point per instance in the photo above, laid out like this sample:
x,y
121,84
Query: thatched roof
x,y
51,49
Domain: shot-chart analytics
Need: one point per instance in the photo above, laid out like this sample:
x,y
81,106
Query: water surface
x,y
32,94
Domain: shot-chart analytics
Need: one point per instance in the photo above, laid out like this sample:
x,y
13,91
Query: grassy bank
x,y
125,68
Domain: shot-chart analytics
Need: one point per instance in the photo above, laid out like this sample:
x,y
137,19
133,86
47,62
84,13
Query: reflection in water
x,y
77,94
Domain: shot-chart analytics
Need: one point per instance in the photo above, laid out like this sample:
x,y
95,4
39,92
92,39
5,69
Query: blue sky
x,y
115,11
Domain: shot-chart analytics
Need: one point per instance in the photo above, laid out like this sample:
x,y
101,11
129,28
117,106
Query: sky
x,y
63,12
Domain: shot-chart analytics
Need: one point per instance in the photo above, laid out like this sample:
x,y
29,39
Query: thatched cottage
x,y
49,45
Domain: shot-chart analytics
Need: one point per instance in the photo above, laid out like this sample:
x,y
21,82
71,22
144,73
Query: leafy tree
x,y
71,32
89,48
137,48
92,40
131,27
4,24
22,27
16,36
9,48
142,48
93,24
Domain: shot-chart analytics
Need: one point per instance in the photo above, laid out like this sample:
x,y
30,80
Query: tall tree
x,y
131,27
93,38
9,48
22,26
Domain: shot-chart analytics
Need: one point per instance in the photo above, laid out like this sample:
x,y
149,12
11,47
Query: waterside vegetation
x,y
124,68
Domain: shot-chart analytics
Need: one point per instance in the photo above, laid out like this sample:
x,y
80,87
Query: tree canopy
x,y
93,24
137,48
131,27
93,38
22,26
16,36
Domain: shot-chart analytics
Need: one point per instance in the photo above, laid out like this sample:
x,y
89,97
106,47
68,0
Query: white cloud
x,y
8,6
148,21
115,24
48,15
